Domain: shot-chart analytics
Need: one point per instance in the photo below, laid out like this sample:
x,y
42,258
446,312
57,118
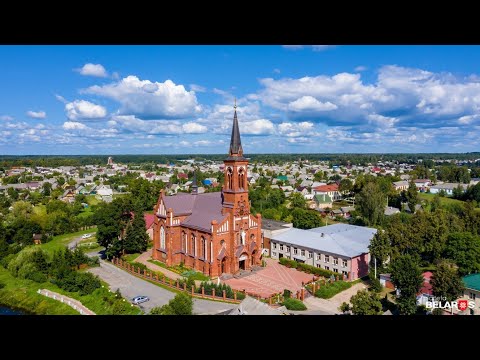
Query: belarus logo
x,y
462,305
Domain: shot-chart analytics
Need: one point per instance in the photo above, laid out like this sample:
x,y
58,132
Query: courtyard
x,y
272,279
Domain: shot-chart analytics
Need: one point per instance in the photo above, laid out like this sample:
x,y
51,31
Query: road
x,y
131,286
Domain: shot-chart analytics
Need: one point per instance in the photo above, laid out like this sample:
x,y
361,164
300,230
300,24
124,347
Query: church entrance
x,y
241,264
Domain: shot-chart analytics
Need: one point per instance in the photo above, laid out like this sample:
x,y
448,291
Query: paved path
x,y
274,278
330,306
75,304
131,286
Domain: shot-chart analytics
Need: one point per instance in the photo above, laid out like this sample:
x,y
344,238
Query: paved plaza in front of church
x,y
272,279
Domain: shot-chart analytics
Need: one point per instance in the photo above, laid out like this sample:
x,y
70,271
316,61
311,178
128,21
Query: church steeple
x,y
194,183
235,141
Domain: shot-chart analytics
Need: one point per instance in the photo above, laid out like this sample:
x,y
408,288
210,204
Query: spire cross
x,y
235,106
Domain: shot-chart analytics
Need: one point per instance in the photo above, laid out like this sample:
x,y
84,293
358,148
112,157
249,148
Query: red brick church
x,y
213,233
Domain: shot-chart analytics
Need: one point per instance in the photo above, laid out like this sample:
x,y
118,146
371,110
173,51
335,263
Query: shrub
x,y
142,267
181,304
294,304
287,293
2,285
375,285
307,268
331,289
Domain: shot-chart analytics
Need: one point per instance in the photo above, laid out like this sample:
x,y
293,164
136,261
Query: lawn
x,y
130,257
60,241
195,275
331,289
22,294
443,200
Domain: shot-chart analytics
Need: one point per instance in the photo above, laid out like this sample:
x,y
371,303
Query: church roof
x,y
201,209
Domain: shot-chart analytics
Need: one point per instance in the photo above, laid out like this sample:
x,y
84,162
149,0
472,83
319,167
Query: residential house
x,y
422,184
400,185
426,293
386,281
323,201
447,188
340,248
471,293
68,196
330,190
347,211
389,211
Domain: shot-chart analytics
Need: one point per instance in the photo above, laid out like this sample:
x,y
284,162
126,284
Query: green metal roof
x,y
282,178
319,199
472,281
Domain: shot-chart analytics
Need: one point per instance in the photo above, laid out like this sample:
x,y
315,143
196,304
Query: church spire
x,y
194,183
235,142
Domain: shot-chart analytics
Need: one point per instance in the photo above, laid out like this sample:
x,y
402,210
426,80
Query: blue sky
x,y
179,99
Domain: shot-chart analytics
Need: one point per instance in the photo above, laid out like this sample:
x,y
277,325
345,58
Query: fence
x,y
175,284
75,304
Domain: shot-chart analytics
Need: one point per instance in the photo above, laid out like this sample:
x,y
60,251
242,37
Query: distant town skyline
x,y
68,100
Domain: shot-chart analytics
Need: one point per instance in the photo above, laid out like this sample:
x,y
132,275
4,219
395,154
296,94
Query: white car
x,y
86,236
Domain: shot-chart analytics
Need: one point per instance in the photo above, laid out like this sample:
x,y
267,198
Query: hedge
x,y
309,269
294,304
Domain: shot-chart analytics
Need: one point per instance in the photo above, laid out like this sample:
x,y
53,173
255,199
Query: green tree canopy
x,y
407,277
464,249
446,283
366,303
370,203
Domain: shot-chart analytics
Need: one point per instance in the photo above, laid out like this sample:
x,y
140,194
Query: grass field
x,y
60,241
443,200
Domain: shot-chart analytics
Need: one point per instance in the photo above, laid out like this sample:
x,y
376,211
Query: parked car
x,y
86,236
140,299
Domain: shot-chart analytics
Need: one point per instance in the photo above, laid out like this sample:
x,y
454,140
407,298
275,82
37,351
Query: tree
x,y
370,203
412,196
436,203
366,303
298,201
305,219
380,247
345,307
407,278
464,249
446,283
136,237
181,304
346,186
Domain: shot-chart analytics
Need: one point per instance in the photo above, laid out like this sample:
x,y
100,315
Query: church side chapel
x,y
213,233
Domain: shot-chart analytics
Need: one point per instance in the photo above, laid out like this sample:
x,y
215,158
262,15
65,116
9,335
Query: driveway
x,y
330,306
131,286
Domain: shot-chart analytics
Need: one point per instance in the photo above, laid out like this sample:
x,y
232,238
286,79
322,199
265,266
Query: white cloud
x,y
73,125
6,118
148,99
82,109
299,140
276,71
37,114
256,127
194,128
90,69
296,129
360,68
133,124
61,98
309,103
197,88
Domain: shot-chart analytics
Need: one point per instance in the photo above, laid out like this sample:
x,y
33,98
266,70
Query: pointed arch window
x,y
241,179
203,247
162,238
229,178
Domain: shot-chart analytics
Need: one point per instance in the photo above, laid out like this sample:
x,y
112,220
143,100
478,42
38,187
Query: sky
x,y
67,100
